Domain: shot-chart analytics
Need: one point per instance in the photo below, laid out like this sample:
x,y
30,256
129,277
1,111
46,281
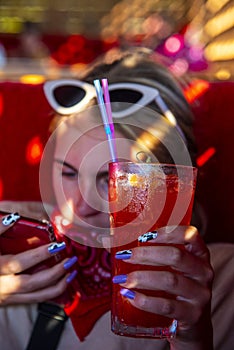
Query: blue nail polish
x,y
10,219
56,247
119,279
123,254
147,236
71,276
69,263
127,293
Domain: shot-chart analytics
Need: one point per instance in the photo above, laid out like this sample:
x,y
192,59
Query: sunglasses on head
x,y
68,96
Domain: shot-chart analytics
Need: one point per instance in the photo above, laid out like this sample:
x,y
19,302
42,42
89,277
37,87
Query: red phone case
x,y
26,234
29,233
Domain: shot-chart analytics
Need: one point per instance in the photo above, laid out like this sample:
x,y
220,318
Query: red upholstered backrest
x,y
25,116
24,119
214,131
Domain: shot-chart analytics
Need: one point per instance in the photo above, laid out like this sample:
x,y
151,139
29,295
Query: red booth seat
x,y
25,116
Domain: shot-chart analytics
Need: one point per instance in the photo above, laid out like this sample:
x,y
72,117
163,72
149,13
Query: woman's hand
x,y
190,283
18,288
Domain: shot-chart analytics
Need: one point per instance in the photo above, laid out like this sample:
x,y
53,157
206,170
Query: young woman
x,y
79,167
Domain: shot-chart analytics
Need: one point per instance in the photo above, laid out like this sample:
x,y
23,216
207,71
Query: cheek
x,y
65,190
67,197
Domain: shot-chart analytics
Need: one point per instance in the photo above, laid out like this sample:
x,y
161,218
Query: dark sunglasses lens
x,y
125,96
68,96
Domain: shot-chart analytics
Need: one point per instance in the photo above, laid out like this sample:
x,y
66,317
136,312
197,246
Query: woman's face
x,y
80,174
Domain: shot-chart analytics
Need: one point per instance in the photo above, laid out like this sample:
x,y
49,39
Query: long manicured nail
x,y
56,247
123,254
119,279
10,219
147,236
71,276
69,263
129,294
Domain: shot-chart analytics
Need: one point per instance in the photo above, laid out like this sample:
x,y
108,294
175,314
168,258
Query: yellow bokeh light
x,y
32,79
223,74
220,51
220,23
215,5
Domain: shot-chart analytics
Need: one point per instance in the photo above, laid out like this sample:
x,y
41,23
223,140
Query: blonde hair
x,y
142,66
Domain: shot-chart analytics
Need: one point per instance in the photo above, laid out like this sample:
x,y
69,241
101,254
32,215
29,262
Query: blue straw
x,y
107,103
107,126
106,94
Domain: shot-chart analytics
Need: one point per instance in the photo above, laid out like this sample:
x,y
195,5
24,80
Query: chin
x,y
90,231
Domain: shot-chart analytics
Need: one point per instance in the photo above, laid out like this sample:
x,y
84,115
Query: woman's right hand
x,y
17,287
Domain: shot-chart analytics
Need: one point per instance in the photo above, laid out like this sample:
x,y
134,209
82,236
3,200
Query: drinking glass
x,y
142,198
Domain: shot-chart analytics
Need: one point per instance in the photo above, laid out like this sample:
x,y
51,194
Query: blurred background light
x,y
220,23
174,44
179,67
34,151
220,50
1,105
194,36
223,74
1,188
214,6
32,79
195,89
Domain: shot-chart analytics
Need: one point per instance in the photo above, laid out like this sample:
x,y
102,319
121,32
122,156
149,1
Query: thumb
x,y
8,221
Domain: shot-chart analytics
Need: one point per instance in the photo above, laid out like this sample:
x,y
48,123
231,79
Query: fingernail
x,y
56,247
10,219
69,263
148,236
129,294
119,279
123,254
71,276
188,247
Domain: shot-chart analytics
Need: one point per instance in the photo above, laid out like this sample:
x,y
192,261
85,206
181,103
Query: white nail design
x,y
147,236
10,219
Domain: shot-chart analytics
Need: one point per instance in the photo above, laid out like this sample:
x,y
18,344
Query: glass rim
x,y
166,165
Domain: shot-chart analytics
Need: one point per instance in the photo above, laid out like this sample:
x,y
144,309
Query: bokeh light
x,y
32,79
1,188
196,89
34,150
1,105
173,44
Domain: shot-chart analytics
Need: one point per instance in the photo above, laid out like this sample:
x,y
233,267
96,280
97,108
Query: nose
x,y
87,203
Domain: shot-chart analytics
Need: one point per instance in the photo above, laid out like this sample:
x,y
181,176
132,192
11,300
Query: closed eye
x,y
67,170
70,174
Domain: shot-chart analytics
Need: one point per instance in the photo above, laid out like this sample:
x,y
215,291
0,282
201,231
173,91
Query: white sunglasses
x,y
68,96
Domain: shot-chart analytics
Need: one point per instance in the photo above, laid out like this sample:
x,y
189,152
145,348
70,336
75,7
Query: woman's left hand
x,y
189,280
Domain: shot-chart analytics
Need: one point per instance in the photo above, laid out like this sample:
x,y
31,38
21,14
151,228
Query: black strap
x,y
48,327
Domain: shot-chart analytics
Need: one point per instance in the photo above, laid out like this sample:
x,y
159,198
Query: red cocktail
x,y
144,197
